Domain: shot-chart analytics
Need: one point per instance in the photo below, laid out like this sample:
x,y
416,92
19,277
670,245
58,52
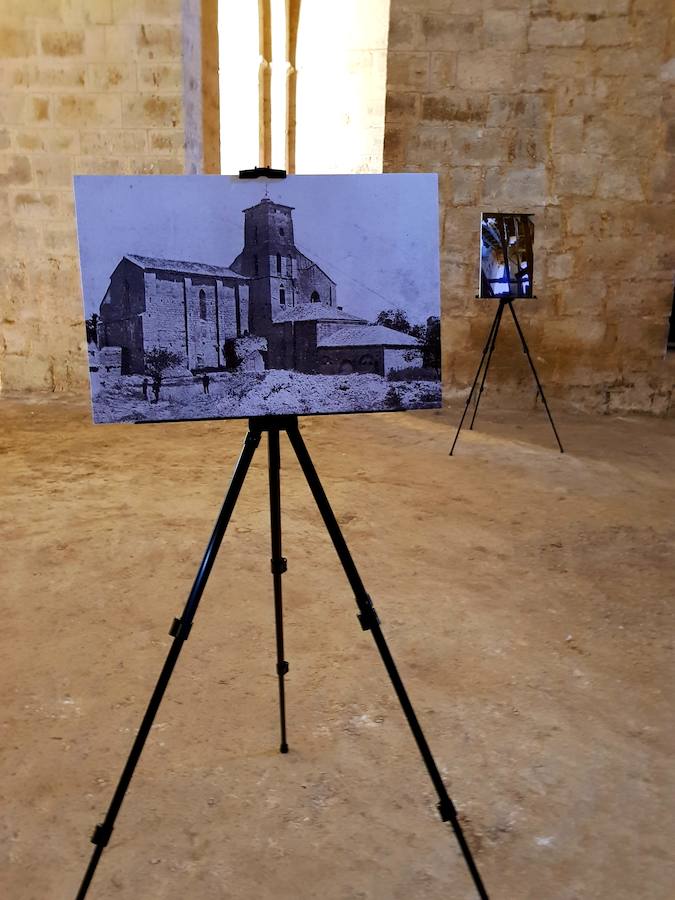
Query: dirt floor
x,y
526,597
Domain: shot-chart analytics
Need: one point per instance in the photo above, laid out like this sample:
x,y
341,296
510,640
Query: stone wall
x,y
559,108
86,86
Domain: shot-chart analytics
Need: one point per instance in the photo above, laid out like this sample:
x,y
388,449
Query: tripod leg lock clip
x,y
282,667
279,566
101,835
367,617
447,811
178,629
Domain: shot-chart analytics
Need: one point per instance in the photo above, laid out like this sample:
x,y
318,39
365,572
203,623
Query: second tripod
x,y
484,365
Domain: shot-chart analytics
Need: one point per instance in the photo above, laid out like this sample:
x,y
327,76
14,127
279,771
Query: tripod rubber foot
x,y
283,748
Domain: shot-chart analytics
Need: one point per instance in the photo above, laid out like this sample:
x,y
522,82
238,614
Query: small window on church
x,y
279,263
255,264
315,297
281,232
202,305
282,296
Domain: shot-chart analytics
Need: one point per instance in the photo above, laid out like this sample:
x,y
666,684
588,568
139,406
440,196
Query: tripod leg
x,y
369,622
498,320
278,568
540,389
179,631
475,381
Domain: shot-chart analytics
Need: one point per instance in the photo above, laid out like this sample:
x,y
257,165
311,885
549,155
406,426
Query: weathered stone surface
x,y
69,76
577,130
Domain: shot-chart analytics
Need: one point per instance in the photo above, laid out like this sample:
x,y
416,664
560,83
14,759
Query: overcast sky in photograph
x,y
376,236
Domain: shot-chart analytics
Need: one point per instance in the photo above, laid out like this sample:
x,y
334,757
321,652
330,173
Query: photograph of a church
x,y
265,334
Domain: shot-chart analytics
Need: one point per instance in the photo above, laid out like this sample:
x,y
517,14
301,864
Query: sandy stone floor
x,y
526,597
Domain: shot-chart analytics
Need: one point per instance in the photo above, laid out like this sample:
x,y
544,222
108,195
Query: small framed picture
x,y
506,257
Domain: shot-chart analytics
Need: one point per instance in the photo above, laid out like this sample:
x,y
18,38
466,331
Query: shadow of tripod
x,y
484,365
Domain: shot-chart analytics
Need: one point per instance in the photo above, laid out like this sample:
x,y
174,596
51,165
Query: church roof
x,y
367,334
315,312
181,266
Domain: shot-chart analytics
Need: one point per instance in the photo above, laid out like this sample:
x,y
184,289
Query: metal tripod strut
x,y
491,336
495,331
540,389
278,568
180,628
486,358
370,622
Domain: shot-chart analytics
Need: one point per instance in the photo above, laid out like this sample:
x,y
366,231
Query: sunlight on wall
x,y
341,85
342,67
238,79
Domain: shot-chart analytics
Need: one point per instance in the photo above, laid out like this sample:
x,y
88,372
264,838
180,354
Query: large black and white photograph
x,y
506,256
215,297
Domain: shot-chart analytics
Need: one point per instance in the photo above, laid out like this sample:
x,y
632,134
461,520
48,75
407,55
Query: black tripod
x,y
488,350
367,616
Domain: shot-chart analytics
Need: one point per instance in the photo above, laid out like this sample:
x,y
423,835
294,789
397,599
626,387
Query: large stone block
x,y
151,110
161,77
623,184
113,141
402,107
473,146
158,42
111,77
486,70
529,111
441,31
516,189
16,42
15,170
505,28
576,174
457,106
87,110
553,32
62,42
442,71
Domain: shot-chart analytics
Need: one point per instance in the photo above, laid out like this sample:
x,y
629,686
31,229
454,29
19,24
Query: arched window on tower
x,y
202,305
282,296
255,264
279,263
315,297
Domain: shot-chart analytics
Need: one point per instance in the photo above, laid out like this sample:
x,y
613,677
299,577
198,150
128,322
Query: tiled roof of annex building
x,y
315,312
181,266
367,334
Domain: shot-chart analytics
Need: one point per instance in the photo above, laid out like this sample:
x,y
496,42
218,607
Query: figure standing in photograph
x,y
205,383
156,385
144,387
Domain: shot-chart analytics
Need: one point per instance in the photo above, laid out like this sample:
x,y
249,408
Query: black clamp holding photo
x,y
262,172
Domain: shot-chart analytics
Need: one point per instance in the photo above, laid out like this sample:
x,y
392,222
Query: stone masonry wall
x,y
86,86
561,108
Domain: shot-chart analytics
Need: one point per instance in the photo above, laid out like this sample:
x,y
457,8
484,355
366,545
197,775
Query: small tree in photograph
x,y
157,361
432,344
394,318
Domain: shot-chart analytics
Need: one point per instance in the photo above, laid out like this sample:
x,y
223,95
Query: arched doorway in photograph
x,y
367,363
346,367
